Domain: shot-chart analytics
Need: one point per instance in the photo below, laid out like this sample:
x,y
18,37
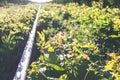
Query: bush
x,y
14,29
81,47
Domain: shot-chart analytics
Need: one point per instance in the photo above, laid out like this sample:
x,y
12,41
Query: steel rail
x,y
25,59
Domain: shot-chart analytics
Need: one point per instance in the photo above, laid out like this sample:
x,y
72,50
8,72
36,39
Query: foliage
x,y
2,2
76,43
112,3
15,23
113,66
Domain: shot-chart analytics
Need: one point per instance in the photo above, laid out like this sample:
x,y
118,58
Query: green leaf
x,y
115,36
53,58
56,67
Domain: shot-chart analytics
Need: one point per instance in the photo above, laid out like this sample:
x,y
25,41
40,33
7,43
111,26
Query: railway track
x,y
25,59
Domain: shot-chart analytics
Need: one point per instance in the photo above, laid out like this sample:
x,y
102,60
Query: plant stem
x,y
86,75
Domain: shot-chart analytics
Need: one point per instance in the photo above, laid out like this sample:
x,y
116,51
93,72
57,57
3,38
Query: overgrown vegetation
x,y
110,3
78,43
15,24
9,2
